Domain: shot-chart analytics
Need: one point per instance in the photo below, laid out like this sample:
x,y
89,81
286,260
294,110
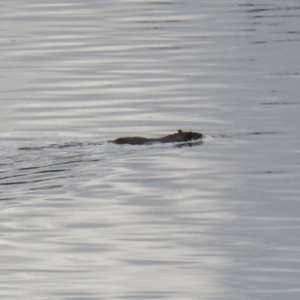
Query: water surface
x,y
102,221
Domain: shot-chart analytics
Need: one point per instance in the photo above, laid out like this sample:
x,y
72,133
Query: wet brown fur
x,y
172,138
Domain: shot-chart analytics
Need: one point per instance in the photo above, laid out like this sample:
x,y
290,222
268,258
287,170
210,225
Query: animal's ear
x,y
179,131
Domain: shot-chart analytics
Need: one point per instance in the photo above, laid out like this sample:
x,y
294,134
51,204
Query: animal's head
x,y
191,135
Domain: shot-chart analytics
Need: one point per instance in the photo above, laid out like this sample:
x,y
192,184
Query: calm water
x,y
103,221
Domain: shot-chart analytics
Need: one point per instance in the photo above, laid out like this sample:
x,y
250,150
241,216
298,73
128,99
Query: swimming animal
x,y
180,136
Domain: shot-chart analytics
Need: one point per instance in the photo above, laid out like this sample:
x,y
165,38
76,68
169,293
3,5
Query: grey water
x,y
96,220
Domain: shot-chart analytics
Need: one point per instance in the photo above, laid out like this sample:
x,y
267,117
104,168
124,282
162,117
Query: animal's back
x,y
179,136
